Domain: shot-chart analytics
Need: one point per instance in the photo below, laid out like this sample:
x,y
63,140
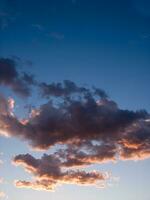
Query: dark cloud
x,y
59,89
48,173
75,122
87,153
9,76
68,88
136,143
88,127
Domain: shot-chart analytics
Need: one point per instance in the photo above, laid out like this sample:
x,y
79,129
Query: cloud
x,y
59,89
48,173
88,131
74,1
39,27
79,121
1,180
1,162
142,7
54,35
68,88
10,77
136,143
2,195
87,154
5,19
8,13
57,35
84,125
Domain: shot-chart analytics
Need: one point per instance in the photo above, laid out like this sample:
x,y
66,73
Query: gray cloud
x,y
68,88
89,127
48,173
73,121
9,76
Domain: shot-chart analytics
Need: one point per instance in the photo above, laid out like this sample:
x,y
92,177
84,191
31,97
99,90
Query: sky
x,y
74,100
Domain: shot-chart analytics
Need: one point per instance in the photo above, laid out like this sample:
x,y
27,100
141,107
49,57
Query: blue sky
x,y
98,43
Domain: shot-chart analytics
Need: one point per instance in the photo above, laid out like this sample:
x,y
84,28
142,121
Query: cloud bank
x,y
85,123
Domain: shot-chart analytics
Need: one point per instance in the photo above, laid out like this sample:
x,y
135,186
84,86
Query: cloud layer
x,y
83,124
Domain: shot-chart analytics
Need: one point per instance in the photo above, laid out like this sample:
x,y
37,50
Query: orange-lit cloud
x,y
88,126
49,173
2,195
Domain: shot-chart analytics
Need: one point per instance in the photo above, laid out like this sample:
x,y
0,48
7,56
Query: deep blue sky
x,y
105,43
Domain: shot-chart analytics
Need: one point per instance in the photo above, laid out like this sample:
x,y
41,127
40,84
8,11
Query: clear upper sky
x,y
102,43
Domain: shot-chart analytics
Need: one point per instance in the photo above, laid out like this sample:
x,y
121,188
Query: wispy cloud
x,y
52,34
57,35
142,7
1,162
39,27
6,18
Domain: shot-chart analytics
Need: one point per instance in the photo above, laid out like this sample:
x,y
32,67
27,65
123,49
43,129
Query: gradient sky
x,y
98,43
